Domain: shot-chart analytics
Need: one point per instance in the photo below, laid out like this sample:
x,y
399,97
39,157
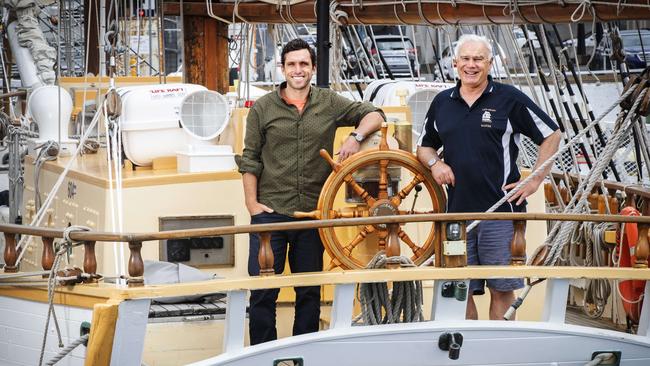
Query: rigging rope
x,y
563,230
380,306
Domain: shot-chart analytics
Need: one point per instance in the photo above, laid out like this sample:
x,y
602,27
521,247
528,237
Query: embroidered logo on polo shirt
x,y
486,119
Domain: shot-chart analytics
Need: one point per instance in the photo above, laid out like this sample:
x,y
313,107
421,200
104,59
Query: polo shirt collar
x,y
455,94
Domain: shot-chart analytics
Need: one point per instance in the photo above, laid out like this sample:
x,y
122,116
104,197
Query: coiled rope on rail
x,y
51,286
381,306
597,291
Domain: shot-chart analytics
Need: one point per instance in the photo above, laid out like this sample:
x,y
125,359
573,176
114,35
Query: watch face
x,y
356,136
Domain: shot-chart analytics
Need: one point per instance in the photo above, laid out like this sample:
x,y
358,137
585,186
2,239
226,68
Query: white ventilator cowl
x,y
50,106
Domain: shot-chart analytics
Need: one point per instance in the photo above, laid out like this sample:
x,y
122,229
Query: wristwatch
x,y
432,162
357,136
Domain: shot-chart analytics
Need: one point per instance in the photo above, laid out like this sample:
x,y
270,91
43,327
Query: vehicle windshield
x,y
634,41
390,45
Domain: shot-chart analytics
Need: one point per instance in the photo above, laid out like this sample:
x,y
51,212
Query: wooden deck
x,y
575,316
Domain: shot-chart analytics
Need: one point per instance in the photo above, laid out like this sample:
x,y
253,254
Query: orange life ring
x,y
630,290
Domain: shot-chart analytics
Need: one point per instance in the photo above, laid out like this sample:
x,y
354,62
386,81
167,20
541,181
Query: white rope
x,y
379,306
64,352
50,295
118,209
564,229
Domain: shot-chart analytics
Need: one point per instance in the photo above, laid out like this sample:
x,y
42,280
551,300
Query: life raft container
x,y
630,290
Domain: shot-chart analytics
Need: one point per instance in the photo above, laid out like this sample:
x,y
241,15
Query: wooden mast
x,y
205,55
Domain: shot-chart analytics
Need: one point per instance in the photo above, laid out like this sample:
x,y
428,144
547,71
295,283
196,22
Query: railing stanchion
x,y
47,259
265,255
10,254
136,265
90,261
518,244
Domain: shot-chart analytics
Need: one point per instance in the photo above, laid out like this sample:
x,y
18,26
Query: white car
x,y
520,38
498,69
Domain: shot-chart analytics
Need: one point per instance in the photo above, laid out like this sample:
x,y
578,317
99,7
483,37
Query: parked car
x,y
307,32
636,45
399,53
498,66
589,43
520,38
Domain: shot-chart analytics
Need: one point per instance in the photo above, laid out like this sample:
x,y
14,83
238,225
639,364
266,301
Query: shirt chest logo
x,y
486,118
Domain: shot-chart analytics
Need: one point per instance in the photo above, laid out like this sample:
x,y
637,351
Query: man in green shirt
x,y
282,172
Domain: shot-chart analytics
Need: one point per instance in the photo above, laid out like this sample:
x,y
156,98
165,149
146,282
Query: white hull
x,y
485,343
21,332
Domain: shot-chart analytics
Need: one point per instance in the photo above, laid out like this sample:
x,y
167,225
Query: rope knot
x,y
584,6
71,229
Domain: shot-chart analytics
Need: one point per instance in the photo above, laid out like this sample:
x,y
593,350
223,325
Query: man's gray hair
x,y
473,38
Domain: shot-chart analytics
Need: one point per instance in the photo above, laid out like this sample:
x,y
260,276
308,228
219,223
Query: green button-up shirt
x,y
281,146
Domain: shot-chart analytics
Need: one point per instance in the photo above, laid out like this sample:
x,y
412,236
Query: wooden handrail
x,y
122,292
311,224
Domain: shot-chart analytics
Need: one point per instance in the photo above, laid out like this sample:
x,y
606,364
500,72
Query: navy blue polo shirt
x,y
481,142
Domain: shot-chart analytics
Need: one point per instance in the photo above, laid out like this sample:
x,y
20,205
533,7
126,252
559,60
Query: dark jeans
x,y
305,255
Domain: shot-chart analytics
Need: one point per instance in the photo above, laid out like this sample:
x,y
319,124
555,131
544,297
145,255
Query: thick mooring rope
x,y
380,306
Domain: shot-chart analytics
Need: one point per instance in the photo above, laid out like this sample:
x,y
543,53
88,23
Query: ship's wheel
x,y
398,174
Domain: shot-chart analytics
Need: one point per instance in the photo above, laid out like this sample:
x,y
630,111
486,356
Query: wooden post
x,y
47,259
90,261
265,255
549,194
437,244
518,244
10,254
206,52
392,245
136,265
642,247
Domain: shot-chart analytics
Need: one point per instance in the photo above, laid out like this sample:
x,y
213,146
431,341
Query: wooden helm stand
x,y
343,254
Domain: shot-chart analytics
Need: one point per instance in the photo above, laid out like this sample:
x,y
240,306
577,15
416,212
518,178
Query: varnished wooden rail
x,y
314,224
135,240
411,12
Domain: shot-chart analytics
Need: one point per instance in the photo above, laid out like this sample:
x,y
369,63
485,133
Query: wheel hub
x,y
383,208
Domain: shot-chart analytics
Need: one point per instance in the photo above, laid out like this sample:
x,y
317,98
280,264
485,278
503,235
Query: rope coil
x,y
381,306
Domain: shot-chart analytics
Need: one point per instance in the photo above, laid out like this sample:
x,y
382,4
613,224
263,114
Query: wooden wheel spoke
x,y
347,213
383,179
333,264
417,250
397,199
361,236
359,190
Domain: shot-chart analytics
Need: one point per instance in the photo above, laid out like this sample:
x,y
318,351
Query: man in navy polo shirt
x,y
479,123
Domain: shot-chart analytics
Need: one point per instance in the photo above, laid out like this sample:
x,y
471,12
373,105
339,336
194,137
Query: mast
x,y
322,44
